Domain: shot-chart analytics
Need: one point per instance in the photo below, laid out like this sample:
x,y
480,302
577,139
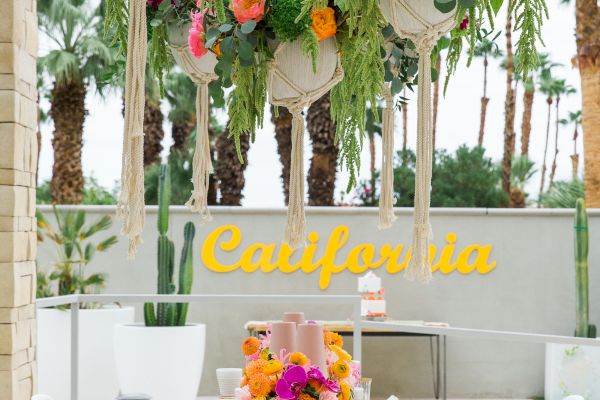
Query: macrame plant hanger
x,y
386,199
198,71
425,38
295,230
131,200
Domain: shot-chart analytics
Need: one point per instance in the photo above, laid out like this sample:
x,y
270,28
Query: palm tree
x,y
153,123
404,122
561,89
77,58
587,15
282,120
547,86
509,109
523,170
575,120
229,169
181,94
323,164
485,48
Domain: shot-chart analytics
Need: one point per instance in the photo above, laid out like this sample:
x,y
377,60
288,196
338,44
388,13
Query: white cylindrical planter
x,y
97,375
572,370
163,362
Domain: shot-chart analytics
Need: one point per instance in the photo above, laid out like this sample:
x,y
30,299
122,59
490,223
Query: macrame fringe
x,y
387,200
131,200
295,229
419,266
202,164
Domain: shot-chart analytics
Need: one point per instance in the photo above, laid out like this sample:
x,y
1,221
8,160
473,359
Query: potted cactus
x,y
575,370
163,357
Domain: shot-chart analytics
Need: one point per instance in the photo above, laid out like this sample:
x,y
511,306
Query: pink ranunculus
x,y
245,10
196,42
198,20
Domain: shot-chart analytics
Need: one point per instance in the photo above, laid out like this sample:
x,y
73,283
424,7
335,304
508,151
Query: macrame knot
x,y
426,41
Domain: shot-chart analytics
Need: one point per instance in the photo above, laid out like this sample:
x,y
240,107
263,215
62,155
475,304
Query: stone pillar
x,y
18,163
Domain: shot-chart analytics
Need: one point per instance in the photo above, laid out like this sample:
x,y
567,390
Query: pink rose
x,y
245,10
196,42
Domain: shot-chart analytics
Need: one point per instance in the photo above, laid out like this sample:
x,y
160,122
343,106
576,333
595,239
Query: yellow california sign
x,y
268,257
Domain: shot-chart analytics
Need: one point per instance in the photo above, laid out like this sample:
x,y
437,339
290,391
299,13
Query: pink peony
x,y
196,42
245,10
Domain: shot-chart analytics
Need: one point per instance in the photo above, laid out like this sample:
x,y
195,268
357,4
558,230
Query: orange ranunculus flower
x,y
259,385
255,367
345,392
298,358
250,345
341,369
272,367
323,22
305,396
332,338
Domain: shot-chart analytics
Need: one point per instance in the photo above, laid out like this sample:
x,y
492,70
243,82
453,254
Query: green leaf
x,y
445,6
164,6
155,22
225,28
227,47
248,26
245,51
496,5
396,86
466,3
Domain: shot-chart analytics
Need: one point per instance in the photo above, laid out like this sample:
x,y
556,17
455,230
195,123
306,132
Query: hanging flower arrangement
x,y
292,52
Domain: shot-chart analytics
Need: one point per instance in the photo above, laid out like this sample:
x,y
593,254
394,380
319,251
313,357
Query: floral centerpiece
x,y
292,376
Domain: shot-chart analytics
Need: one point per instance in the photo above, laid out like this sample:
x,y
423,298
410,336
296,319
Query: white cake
x,y
372,303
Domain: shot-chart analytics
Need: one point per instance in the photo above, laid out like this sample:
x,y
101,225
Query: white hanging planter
x,y
162,362
413,17
97,376
192,66
572,370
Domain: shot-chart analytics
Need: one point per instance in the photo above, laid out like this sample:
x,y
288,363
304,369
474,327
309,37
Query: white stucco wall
x,y
531,289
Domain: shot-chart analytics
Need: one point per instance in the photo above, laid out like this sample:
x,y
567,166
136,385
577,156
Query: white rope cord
x,y
387,200
202,164
131,200
419,266
295,229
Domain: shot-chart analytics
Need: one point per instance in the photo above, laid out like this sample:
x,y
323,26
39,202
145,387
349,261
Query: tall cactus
x,y
170,314
583,327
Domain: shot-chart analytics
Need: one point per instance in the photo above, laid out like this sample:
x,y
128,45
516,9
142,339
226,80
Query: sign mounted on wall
x,y
268,257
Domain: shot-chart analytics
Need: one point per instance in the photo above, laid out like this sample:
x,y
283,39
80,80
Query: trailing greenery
x,y
529,17
72,240
115,23
310,46
360,44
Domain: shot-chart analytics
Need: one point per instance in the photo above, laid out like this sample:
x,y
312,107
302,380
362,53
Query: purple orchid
x,y
315,374
291,384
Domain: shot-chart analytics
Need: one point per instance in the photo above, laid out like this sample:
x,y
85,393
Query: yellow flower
x,y
341,353
255,367
345,392
323,22
298,358
259,385
341,369
272,367
264,354
250,346
305,396
333,338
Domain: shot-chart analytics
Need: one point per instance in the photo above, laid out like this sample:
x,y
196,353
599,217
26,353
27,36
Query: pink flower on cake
x,y
245,10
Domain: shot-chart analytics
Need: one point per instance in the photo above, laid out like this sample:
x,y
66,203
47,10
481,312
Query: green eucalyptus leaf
x,y
164,6
246,51
466,3
227,47
248,26
496,5
155,22
225,27
388,31
445,6
396,86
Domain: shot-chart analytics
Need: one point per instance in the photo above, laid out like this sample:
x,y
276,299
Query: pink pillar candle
x,y
283,337
312,344
296,317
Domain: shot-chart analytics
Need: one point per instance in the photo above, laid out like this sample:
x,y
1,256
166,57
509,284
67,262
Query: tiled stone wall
x,y
18,161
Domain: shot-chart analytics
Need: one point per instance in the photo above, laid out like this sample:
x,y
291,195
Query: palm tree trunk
x,y
323,164
67,109
283,136
404,127
553,169
229,169
153,132
543,179
588,59
180,132
575,156
509,110
528,96
436,95
484,103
